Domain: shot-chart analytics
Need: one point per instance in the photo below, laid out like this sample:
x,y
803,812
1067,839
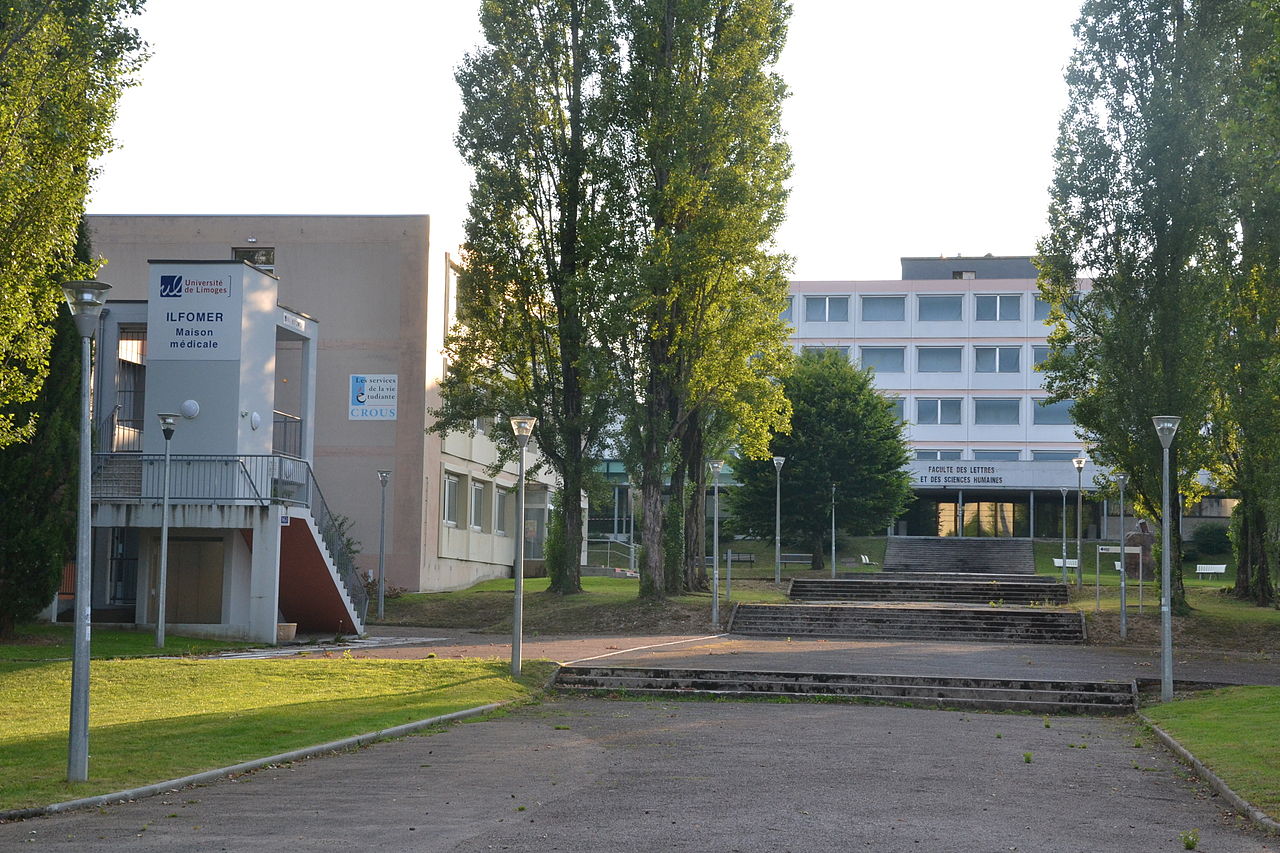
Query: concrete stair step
x,y
910,621
986,693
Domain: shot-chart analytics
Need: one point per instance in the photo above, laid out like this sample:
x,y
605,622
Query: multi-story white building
x,y
955,344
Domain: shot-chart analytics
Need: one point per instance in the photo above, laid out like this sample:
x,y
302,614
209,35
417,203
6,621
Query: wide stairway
x,y
931,586
996,694
959,554
911,621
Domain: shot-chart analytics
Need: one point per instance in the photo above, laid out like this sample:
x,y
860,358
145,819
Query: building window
x,y
898,405
885,359
476,518
1040,309
844,351
262,257
997,359
884,309
1039,353
938,359
484,426
826,309
937,410
999,306
996,455
451,500
996,410
1051,414
940,309
786,312
937,455
501,512
964,275
1054,455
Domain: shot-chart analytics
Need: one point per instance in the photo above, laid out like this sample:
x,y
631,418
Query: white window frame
x,y
901,350
936,455
997,455
999,360
883,300
938,298
449,501
475,513
959,360
1038,406
934,406
501,506
826,309
1001,301
1017,401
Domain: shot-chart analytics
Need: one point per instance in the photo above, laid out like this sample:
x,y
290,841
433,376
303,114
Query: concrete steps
x,y
958,554
909,621
994,694
908,586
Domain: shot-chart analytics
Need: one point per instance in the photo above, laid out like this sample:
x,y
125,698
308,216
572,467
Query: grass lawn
x,y
156,719
1235,732
43,641
606,605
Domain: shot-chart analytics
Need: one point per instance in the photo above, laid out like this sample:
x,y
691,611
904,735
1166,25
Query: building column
x,y
1031,514
264,575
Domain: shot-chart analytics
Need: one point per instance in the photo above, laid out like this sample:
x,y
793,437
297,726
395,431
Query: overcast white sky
x,y
917,128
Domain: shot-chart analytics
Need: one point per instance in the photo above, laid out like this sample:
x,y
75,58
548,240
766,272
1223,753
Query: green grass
x,y
43,641
1235,732
158,719
606,606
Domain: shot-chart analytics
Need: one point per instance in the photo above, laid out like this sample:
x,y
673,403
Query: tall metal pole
x,y
167,424
833,531
777,519
1121,479
383,477
1079,463
1063,489
1166,426
715,546
631,533
523,427
85,299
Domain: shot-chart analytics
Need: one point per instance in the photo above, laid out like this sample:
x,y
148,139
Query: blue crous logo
x,y
170,285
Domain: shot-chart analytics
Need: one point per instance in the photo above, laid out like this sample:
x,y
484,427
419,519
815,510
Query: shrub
x,y
1211,539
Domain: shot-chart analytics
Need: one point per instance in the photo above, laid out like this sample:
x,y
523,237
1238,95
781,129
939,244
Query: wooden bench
x,y
744,557
796,558
1204,570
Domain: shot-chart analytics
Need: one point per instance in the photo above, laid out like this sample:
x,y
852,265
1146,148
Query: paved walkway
x,y
594,775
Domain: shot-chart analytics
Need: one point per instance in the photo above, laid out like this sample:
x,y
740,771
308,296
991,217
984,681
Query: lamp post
x,y
1121,478
631,531
1079,463
715,545
384,476
1063,489
85,299
777,519
168,421
1166,426
833,531
522,426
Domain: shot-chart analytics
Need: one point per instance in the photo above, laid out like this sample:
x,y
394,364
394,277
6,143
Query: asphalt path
x,y
601,775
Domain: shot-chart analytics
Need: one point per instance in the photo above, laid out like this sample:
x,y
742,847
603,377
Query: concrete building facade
x,y
384,308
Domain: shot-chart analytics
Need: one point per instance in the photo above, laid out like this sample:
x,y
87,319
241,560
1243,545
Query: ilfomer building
x,y
955,344
376,303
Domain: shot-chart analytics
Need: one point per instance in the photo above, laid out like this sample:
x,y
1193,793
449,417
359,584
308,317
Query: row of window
x,y
998,455
934,308
489,507
986,411
948,359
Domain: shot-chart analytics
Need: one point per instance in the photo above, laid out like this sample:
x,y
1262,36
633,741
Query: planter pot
x,y
286,631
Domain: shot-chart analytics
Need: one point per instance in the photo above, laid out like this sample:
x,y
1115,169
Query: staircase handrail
x,y
333,532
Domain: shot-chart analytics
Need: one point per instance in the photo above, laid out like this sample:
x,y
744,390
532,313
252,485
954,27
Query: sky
x,y
917,129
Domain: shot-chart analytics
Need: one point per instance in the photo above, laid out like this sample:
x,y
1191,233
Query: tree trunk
x,y
566,578
674,533
816,545
695,513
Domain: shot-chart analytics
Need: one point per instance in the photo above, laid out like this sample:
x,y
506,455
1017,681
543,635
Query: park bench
x,y
1071,564
1204,570
796,558
744,557
867,561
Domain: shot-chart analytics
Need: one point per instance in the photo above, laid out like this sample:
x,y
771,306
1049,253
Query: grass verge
x,y
42,641
605,606
158,719
1235,732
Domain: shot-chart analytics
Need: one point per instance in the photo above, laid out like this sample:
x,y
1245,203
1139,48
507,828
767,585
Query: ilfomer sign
x,y
194,315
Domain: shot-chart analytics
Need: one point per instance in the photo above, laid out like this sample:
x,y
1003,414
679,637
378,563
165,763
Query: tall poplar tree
x,y
539,290
63,65
700,108
1137,203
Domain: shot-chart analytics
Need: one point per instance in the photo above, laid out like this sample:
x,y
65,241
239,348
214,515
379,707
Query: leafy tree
x,y
538,293
700,111
39,478
843,432
63,65
1138,203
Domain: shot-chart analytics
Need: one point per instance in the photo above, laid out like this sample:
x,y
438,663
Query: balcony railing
x,y
286,433
229,480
